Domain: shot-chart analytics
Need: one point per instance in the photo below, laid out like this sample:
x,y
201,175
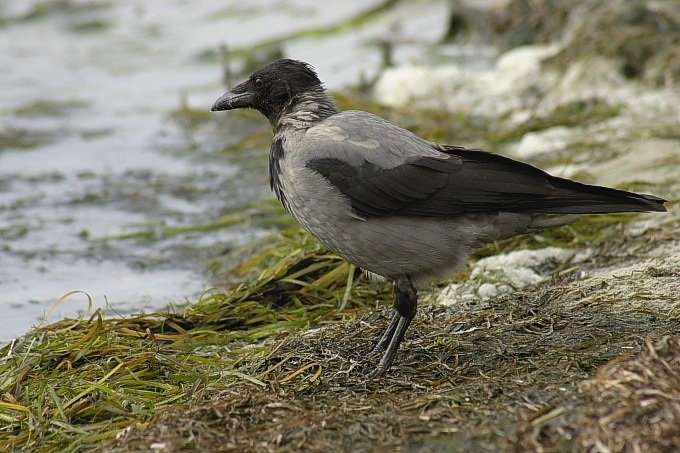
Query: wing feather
x,y
394,172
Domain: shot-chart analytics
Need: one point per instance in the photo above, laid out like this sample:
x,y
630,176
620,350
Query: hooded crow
x,y
394,204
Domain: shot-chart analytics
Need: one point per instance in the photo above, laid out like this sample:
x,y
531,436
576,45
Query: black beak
x,y
238,98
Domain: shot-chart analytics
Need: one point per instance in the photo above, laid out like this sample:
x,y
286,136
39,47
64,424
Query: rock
x,y
502,273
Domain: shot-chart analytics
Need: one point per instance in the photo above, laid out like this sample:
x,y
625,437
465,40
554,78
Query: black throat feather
x,y
275,156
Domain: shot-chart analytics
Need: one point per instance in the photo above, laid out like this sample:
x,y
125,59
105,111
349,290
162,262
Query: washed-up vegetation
x,y
241,367
80,381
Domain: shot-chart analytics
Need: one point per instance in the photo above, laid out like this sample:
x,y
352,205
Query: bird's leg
x,y
405,306
389,332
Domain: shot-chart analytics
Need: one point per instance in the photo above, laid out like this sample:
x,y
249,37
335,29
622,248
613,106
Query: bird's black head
x,y
271,88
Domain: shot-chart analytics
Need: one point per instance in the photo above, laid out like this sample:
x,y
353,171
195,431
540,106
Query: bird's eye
x,y
258,83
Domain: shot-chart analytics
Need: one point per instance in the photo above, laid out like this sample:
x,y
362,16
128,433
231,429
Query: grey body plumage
x,y
393,203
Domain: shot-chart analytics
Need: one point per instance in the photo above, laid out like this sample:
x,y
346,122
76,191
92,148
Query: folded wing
x,y
433,180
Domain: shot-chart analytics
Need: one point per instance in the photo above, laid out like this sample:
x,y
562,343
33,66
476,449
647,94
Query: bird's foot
x,y
376,372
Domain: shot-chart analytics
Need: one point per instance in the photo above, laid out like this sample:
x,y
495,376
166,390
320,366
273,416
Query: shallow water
x,y
88,151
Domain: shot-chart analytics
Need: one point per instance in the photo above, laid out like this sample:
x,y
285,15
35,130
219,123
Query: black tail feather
x,y
573,197
491,181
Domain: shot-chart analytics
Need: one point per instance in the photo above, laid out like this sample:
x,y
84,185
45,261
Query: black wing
x,y
461,181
